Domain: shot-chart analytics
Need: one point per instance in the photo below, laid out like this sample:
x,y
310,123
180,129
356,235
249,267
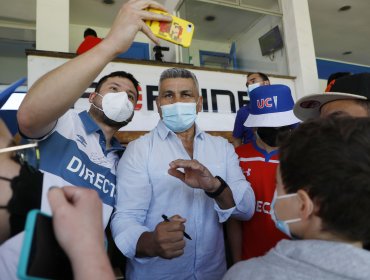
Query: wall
x,y
198,45
249,53
76,37
12,69
223,92
13,60
326,67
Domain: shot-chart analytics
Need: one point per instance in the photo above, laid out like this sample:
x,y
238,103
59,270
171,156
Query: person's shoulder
x,y
143,140
70,114
218,140
250,269
243,110
71,118
244,148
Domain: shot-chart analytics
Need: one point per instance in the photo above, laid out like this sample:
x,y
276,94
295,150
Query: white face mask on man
x,y
116,106
253,86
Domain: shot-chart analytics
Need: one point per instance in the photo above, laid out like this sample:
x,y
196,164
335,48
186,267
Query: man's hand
x,y
166,241
55,93
195,174
78,227
77,217
169,237
130,20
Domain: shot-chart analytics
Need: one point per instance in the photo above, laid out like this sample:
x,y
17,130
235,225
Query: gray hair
x,y
178,73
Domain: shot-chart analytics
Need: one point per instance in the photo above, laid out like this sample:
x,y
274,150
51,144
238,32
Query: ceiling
x,y
237,20
336,32
333,32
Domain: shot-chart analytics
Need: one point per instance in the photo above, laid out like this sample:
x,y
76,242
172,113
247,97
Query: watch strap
x,y
220,189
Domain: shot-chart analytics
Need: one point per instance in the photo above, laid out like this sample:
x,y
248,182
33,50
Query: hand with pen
x,y
169,237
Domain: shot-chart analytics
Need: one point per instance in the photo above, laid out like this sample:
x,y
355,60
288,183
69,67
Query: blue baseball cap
x,y
271,106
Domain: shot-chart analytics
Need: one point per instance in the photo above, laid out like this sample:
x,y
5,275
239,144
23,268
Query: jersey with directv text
x,y
75,153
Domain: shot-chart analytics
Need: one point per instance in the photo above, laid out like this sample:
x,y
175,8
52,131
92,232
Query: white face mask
x,y
253,86
116,106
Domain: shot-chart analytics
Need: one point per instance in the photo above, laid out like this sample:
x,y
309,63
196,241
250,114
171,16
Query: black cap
x,y
358,84
349,87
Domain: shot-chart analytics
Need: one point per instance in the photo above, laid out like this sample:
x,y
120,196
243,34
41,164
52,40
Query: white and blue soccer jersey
x,y
75,153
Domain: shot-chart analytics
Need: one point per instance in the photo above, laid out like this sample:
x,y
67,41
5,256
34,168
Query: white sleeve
x,y
242,192
133,197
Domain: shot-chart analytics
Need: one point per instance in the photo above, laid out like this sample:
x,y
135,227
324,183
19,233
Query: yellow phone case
x,y
178,31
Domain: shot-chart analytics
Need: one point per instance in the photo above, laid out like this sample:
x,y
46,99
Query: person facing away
x,y
79,148
91,39
322,199
242,134
182,172
347,96
259,160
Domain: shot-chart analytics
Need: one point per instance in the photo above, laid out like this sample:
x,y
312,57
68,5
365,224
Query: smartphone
x,y
178,31
41,255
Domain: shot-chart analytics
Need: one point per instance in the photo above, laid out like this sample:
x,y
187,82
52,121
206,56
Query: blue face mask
x,y
179,116
282,225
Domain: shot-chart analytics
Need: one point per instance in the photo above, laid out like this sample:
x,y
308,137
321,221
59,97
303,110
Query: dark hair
x,y
330,159
263,76
121,74
338,75
90,32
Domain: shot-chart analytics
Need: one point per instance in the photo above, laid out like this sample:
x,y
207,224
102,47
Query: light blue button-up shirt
x,y
145,191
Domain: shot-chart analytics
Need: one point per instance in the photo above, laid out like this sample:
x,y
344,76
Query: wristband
x,y
220,189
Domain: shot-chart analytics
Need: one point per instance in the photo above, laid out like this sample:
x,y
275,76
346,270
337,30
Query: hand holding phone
x,y
76,227
41,255
178,31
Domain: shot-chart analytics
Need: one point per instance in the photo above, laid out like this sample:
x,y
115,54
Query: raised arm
x,y
54,93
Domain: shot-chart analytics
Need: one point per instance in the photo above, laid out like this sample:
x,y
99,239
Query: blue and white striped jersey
x,y
74,153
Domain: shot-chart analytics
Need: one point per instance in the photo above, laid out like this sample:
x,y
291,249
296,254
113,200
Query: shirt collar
x,y
164,131
267,155
88,122
91,126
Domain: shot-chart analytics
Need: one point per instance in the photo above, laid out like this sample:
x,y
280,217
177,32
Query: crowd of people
x,y
286,200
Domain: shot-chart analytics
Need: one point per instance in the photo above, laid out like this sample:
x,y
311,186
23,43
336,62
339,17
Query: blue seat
x,y
10,116
224,60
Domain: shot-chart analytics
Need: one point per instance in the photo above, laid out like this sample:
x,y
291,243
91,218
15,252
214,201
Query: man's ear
x,y
92,96
306,204
158,106
200,104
